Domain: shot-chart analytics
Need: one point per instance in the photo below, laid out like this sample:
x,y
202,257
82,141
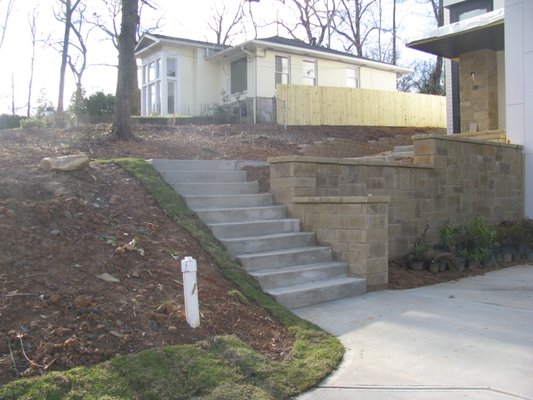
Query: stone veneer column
x,y
479,92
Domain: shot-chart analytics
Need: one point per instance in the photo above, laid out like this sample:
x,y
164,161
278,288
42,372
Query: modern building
x,y
488,45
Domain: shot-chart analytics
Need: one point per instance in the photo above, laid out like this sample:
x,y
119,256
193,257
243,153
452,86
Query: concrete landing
x,y
471,339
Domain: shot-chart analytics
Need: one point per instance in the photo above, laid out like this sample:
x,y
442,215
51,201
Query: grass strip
x,y
220,368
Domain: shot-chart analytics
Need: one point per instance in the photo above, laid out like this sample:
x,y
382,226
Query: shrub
x,y
8,121
36,122
100,104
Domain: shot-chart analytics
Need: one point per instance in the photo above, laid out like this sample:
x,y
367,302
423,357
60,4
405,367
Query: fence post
x,y
190,291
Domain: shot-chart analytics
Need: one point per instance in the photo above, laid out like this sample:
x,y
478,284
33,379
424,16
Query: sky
x,y
187,19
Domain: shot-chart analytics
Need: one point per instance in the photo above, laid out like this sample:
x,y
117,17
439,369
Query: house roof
x,y
294,46
484,31
148,40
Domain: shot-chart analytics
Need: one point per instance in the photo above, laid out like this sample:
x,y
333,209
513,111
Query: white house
x,y
182,76
489,47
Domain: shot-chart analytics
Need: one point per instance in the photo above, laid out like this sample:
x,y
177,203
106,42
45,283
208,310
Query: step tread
x,y
314,285
241,208
295,268
252,222
270,236
284,251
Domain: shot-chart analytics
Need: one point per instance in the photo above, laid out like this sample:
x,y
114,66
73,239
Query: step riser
x,y
320,295
302,275
203,176
242,214
195,165
210,202
257,228
247,246
191,189
311,256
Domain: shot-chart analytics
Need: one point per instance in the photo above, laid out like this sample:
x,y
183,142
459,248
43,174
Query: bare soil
x,y
59,232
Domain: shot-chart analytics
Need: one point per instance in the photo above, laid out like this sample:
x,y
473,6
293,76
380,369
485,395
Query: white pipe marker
x,y
190,291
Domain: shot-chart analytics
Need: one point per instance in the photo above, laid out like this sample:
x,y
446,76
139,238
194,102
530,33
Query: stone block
x,y
377,265
376,221
377,281
350,209
377,235
350,236
356,221
303,169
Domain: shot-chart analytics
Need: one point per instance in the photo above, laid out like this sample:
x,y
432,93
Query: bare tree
x,y
224,21
78,62
315,18
126,70
65,15
33,32
351,24
3,27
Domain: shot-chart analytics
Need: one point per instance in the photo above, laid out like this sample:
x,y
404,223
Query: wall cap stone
x,y
346,161
453,138
342,199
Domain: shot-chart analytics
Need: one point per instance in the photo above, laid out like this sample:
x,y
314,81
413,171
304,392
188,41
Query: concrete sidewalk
x,y
471,339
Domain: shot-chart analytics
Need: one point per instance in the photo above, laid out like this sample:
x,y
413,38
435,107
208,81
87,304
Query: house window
x,y
309,73
151,89
469,9
171,97
239,78
352,77
282,70
171,67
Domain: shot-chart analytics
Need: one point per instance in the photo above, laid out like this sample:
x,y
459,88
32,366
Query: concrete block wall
x,y
335,147
451,180
356,230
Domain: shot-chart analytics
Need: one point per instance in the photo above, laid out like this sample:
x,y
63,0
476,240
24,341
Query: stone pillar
x,y
479,90
355,227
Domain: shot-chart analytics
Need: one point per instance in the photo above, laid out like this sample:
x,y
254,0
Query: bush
x,y
36,122
8,121
100,104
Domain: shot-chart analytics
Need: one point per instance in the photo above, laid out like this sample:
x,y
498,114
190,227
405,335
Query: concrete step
x,y
216,188
254,228
285,258
403,149
318,292
194,165
228,201
298,274
178,176
260,244
242,214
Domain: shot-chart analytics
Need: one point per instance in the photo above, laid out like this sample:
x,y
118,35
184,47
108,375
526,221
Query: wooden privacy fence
x,y
321,105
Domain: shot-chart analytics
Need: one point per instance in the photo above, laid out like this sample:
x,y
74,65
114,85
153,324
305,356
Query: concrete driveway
x,y
470,339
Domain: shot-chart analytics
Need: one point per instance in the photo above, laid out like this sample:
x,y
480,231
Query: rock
x,y
55,232
83,301
64,163
116,334
107,277
72,342
54,299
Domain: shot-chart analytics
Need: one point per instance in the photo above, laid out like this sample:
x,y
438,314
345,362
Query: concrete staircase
x,y
286,262
399,153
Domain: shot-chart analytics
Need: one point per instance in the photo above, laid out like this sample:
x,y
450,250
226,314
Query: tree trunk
x,y
126,70
60,118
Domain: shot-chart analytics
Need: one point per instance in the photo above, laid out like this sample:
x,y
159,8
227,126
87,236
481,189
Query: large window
x,y
469,9
282,70
352,77
171,67
309,73
151,90
239,78
171,97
